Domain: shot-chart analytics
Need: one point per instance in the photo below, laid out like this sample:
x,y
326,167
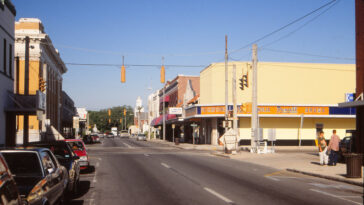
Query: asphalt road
x,y
126,171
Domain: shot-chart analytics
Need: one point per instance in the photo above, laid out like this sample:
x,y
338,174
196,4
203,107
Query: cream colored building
x,y
289,95
45,62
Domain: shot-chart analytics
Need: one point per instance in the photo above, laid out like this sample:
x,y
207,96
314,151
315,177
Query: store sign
x,y
175,111
289,110
212,110
40,100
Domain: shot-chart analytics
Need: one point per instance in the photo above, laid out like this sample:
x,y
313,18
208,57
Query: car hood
x,y
26,184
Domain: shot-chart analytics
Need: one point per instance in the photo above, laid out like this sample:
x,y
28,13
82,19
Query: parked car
x,y
141,137
67,158
87,139
39,176
110,135
95,138
79,149
9,193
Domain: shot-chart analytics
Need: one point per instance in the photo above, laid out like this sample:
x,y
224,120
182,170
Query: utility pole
x,y
26,92
235,120
226,84
254,117
164,106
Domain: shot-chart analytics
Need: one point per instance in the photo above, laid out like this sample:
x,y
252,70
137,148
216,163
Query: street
x,y
126,171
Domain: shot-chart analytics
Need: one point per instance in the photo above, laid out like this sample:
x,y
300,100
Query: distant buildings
x,y
295,101
7,113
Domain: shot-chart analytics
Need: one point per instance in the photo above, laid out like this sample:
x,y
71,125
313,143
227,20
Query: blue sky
x,y
188,32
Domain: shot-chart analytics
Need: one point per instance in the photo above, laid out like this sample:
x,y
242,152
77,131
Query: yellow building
x,y
296,100
45,62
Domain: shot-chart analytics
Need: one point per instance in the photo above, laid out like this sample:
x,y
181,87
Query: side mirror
x,y
76,157
50,170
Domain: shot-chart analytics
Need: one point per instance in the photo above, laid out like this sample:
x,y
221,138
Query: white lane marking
x,y
95,179
92,200
218,195
127,145
272,178
147,155
332,195
165,165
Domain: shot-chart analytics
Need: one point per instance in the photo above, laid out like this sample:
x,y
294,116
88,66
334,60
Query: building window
x,y
11,60
4,56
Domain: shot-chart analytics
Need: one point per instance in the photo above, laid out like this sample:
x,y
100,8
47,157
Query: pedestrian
x,y
334,148
322,149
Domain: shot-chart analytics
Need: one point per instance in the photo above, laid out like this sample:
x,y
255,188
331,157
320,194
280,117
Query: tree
x,y
101,118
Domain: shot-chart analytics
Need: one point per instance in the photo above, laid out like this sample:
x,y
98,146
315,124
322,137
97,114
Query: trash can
x,y
353,165
176,141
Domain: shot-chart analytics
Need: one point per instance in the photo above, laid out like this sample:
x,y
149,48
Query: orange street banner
x,y
288,110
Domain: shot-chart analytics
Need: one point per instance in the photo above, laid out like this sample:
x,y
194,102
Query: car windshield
x,y
23,164
76,145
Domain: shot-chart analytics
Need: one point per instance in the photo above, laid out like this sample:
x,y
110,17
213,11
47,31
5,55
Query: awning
x,y
166,99
159,120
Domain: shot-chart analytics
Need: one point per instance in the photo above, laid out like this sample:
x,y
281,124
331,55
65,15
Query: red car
x,y
79,149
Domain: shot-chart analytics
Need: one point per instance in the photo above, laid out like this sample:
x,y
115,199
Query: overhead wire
x,y
300,27
308,54
283,27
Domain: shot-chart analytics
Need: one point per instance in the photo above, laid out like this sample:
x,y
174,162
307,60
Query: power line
x,y
135,65
283,27
308,54
299,28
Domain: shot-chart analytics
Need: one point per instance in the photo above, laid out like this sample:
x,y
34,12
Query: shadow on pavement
x,y
317,163
89,170
83,188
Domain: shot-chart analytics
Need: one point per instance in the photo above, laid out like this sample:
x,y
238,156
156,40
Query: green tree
x,y
101,118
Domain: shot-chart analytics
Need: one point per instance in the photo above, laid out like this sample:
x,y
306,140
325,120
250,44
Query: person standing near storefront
x,y
334,148
324,158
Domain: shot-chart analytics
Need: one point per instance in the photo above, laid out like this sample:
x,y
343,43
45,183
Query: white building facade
x,y
7,16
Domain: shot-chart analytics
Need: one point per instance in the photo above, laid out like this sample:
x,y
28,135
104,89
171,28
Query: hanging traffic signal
x,y
109,112
124,112
163,77
241,83
123,74
121,120
109,121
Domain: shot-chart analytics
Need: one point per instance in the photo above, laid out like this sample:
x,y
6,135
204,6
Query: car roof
x,y
21,148
73,140
49,143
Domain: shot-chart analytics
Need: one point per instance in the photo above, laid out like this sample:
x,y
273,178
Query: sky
x,y
188,32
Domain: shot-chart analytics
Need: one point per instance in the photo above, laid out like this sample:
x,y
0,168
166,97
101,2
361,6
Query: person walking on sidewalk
x,y
334,148
322,149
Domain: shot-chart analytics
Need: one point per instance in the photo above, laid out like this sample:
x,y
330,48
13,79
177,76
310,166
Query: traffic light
x,y
42,84
245,80
109,121
241,83
109,112
124,112
123,74
163,74
121,120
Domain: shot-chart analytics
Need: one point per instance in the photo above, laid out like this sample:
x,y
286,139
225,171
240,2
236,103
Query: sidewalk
x,y
302,160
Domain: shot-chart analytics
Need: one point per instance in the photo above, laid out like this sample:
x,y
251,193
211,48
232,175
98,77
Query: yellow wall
x,y
288,128
33,77
281,83
33,87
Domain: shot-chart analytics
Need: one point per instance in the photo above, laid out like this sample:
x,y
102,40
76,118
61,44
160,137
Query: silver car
x,y
141,137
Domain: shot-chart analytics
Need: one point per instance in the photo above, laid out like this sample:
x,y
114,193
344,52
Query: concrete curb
x,y
221,155
327,177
